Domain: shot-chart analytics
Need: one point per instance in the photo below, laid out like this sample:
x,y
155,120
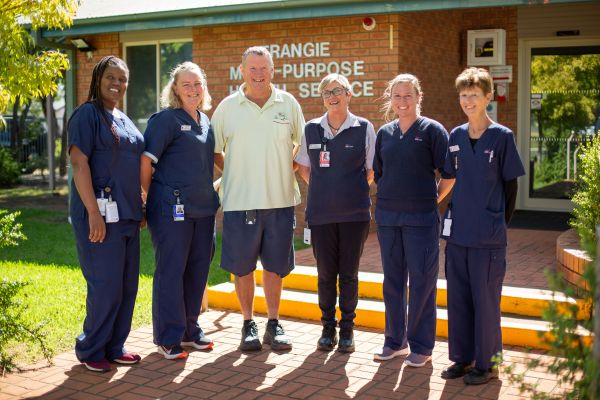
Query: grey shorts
x,y
270,238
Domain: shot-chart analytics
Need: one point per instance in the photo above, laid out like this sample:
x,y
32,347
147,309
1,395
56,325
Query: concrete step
x,y
515,300
516,330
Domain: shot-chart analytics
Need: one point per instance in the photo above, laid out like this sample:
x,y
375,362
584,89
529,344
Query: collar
x,y
276,95
351,121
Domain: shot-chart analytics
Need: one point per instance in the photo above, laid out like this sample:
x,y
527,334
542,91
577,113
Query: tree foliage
x,y
24,70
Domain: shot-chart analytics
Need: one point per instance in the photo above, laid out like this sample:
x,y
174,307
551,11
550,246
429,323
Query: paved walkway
x,y
225,373
529,253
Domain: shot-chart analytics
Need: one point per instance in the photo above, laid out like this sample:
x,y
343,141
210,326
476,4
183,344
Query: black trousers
x,y
337,248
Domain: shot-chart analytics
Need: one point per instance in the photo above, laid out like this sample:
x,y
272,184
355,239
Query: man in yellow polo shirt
x,y
257,131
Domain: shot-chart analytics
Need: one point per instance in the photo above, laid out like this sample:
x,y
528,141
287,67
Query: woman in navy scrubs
x,y
106,210
177,175
408,152
335,158
484,160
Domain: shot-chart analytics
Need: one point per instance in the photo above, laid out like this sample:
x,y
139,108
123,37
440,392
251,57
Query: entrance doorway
x,y
561,105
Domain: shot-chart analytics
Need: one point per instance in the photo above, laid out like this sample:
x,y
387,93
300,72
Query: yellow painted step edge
x,y
515,300
370,313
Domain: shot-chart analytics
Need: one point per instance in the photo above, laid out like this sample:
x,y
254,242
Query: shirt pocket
x,y
282,129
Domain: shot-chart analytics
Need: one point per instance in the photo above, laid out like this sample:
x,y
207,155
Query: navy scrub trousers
x,y
111,269
184,250
410,251
474,278
338,248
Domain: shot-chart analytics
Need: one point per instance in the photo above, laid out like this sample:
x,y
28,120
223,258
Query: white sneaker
x,y
387,353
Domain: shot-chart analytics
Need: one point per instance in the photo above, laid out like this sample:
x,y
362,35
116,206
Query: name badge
x,y
324,159
306,235
454,148
178,212
112,212
314,146
186,128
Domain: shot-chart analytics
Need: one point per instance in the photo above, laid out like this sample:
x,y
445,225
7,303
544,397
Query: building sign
x,y
310,72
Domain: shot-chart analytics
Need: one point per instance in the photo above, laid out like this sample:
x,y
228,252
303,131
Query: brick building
x,y
368,41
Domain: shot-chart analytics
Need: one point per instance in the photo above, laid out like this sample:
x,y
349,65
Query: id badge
x,y
102,205
306,235
112,212
178,212
447,229
324,159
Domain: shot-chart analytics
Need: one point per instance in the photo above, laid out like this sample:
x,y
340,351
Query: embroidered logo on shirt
x,y
280,118
349,146
418,139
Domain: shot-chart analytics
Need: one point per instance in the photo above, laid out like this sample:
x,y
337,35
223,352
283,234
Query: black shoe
x,y
276,337
457,370
328,338
250,340
480,376
346,341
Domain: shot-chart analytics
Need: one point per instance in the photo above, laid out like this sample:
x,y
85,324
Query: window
x,y
149,66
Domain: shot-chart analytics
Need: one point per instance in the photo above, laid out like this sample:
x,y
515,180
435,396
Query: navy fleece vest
x,y
339,193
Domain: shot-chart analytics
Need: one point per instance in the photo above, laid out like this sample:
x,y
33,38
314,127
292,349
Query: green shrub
x,y
574,365
9,169
13,327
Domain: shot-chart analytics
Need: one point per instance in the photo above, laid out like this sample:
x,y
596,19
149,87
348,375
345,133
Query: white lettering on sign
x,y
315,70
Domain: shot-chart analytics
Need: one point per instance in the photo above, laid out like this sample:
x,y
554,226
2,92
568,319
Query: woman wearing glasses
x,y
335,159
408,152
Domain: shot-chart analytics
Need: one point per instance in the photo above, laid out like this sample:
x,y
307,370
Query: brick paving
x,y
304,372
225,373
529,253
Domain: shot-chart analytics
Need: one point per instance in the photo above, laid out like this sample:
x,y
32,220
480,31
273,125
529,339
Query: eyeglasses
x,y
335,92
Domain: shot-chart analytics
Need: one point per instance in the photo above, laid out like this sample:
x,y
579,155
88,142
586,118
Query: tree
x,y
27,72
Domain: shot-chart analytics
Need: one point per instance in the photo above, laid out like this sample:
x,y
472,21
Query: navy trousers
x,y
337,248
410,253
111,270
474,288
183,252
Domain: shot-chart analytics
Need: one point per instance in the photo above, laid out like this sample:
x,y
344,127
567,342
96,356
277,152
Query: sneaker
x,y
276,337
202,343
128,358
328,338
417,360
457,370
250,340
480,376
172,352
387,353
346,341
97,366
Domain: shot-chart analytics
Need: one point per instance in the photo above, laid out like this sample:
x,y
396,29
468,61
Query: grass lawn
x,y
48,260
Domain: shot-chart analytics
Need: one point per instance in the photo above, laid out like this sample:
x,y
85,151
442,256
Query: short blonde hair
x,y
341,79
386,108
475,77
168,98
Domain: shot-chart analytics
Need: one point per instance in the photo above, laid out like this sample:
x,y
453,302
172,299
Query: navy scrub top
x,y
478,205
183,155
112,164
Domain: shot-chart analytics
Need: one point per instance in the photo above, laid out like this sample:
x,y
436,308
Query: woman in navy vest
x,y
409,151
484,160
335,159
106,210
177,175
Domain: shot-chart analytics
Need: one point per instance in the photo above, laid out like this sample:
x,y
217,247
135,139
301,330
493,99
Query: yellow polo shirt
x,y
258,144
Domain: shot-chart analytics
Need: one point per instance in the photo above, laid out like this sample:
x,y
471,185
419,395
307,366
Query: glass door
x,y
563,114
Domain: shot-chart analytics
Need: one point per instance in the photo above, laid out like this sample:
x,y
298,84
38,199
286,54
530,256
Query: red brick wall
x,y
431,45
